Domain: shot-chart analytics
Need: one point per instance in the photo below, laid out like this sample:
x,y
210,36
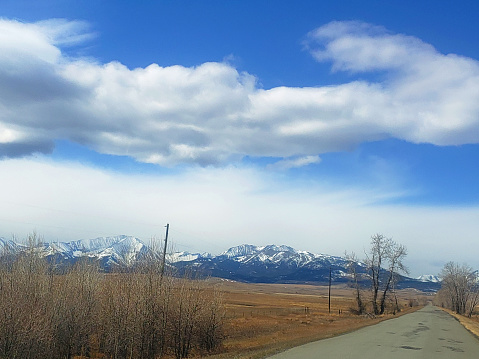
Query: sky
x,y
313,124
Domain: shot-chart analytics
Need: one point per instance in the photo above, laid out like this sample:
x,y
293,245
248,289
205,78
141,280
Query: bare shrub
x,y
75,299
141,313
25,330
210,324
412,302
184,316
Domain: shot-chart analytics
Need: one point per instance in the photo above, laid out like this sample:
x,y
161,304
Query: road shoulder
x,y
471,325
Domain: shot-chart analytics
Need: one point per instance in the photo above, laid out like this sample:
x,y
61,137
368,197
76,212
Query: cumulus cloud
x,y
428,97
212,113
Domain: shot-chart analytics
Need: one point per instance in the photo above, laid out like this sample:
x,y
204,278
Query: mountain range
x,y
122,251
248,263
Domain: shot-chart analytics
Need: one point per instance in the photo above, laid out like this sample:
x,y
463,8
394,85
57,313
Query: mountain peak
x,y
280,248
241,251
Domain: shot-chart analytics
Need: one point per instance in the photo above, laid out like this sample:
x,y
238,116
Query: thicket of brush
x,y
82,312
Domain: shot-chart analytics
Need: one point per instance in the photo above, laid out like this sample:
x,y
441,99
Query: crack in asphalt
x,y
408,347
454,349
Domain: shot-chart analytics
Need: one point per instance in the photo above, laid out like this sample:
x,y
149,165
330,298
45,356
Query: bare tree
x,y
353,272
460,288
384,252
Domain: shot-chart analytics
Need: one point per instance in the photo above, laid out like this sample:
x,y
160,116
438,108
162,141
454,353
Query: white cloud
x,y
65,33
295,162
429,96
358,47
211,113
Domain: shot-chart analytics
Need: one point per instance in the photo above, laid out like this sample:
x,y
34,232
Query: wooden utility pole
x,y
164,252
329,291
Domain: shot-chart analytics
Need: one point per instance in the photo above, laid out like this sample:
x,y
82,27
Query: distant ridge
x,y
281,264
249,263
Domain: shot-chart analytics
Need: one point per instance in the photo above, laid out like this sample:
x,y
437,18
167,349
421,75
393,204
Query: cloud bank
x,y
212,113
212,209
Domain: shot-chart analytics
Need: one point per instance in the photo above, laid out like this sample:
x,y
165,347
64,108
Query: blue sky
x,y
312,124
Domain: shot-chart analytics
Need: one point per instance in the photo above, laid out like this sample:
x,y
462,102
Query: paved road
x,y
427,333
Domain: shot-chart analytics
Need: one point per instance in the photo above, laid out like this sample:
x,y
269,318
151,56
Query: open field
x,y
262,319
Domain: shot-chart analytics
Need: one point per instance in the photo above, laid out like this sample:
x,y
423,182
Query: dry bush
x,y
25,330
140,313
134,314
210,330
75,299
196,318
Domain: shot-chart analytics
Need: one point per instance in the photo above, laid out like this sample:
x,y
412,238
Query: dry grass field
x,y
262,319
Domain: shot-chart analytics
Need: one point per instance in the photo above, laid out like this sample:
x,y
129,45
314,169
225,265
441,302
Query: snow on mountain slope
x,y
90,246
125,251
186,256
241,251
121,250
429,278
280,255
9,246
266,264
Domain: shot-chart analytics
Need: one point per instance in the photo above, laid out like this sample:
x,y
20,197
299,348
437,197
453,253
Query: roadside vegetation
x,y
384,261
459,289
459,294
82,313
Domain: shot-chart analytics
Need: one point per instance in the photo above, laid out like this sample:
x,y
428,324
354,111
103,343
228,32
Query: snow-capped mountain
x,y
249,263
271,263
109,251
9,246
281,256
280,264
429,278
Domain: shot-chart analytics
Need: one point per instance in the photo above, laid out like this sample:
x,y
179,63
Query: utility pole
x,y
329,291
162,271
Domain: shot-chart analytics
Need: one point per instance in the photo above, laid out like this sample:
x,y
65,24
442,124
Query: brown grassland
x,y
262,319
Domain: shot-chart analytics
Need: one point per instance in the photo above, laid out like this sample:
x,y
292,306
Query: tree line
x,y
459,289
83,312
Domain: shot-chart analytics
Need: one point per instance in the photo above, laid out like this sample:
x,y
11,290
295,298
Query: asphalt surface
x,y
427,333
